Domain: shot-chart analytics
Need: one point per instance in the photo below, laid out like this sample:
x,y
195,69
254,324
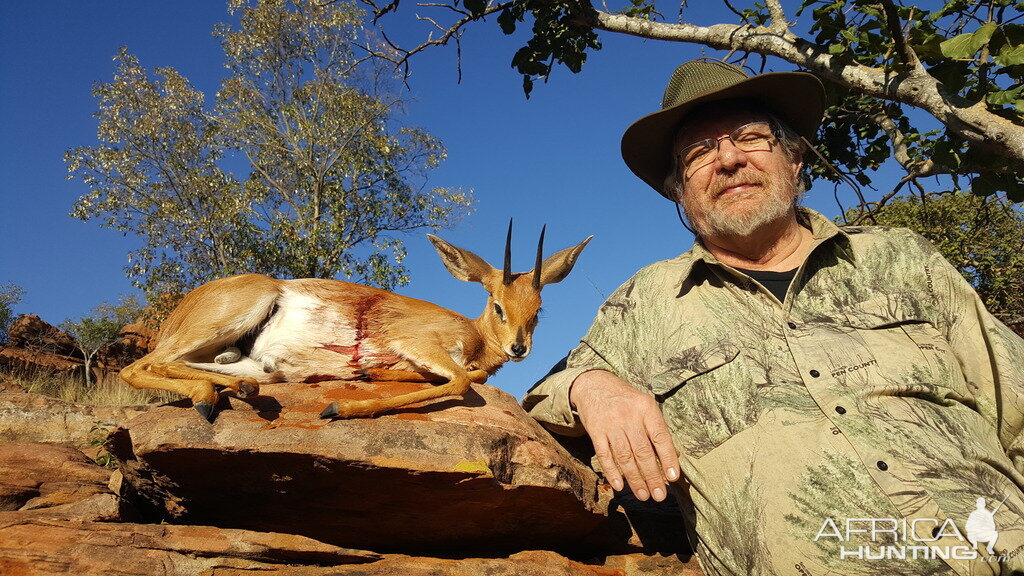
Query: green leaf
x,y
507,21
1010,56
929,47
945,153
959,46
983,34
1015,192
476,7
837,49
1004,97
988,184
967,45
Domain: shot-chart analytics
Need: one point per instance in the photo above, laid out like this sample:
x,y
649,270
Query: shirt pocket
x,y
705,406
913,358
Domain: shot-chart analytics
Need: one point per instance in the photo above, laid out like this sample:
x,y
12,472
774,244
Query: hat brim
x,y
798,98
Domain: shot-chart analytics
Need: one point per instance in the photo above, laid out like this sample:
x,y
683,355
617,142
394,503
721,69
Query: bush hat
x,y
798,98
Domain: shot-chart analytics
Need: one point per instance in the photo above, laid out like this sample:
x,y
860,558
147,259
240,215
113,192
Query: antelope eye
x,y
498,311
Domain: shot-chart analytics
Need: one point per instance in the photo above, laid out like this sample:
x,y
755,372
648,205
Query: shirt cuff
x,y
548,402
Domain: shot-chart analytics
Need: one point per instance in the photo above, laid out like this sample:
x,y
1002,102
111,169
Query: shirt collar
x,y
822,230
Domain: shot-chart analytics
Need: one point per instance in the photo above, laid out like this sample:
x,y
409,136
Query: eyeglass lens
x,y
753,137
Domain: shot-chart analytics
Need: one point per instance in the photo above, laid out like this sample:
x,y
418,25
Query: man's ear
x,y
798,166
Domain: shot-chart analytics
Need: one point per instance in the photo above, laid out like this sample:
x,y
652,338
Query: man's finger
x,y
646,461
661,438
608,466
622,451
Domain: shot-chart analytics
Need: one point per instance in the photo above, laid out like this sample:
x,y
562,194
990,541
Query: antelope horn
x,y
507,279
540,259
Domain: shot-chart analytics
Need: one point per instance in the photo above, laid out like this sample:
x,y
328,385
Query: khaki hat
x,y
798,98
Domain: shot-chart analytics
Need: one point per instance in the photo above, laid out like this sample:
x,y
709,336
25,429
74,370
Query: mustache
x,y
725,181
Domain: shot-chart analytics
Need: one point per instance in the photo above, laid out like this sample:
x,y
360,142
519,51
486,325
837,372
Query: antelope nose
x,y
518,349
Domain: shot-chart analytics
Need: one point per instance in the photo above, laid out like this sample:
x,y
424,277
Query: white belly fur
x,y
307,337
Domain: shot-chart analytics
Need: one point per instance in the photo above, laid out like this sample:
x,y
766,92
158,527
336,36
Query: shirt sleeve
x,y
991,355
617,341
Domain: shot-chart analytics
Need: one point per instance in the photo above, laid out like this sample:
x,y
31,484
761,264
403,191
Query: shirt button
x,y
835,431
815,373
840,410
792,325
882,465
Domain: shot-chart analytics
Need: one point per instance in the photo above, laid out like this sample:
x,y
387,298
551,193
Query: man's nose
x,y
730,156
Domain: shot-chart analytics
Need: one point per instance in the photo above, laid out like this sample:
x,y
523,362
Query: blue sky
x,y
553,159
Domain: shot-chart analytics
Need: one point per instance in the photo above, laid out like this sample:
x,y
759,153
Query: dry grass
x,y
112,391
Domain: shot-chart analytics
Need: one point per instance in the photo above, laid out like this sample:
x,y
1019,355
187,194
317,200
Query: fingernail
x,y
617,484
673,474
642,495
659,494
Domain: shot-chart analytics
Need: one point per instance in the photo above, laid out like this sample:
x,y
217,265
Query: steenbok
x,y
239,331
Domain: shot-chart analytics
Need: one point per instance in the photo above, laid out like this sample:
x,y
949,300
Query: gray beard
x,y
719,221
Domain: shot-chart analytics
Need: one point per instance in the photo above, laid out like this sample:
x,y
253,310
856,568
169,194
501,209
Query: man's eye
x,y
749,137
753,136
696,153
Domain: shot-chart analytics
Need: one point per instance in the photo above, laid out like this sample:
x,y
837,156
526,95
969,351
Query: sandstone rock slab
x,y
37,546
21,361
35,475
26,417
458,476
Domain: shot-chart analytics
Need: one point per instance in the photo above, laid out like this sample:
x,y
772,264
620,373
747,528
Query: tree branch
x,y
779,23
901,152
914,87
892,25
454,31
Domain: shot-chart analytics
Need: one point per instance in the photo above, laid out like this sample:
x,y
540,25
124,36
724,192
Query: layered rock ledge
x,y
452,477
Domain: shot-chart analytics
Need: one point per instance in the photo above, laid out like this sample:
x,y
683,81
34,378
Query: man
x,y
821,400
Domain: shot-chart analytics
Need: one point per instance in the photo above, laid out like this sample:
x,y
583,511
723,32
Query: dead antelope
x,y
239,331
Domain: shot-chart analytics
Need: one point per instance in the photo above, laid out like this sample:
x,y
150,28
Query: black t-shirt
x,y
776,282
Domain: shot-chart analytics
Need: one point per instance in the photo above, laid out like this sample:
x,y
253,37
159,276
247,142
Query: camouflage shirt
x,y
850,429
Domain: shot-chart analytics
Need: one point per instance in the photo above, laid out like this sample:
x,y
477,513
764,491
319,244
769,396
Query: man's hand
x,y
628,431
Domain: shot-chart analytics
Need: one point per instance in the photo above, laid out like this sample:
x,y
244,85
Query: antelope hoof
x,y
205,409
331,411
247,389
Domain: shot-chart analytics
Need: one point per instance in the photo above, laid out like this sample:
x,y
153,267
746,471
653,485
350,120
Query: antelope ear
x,y
463,264
557,266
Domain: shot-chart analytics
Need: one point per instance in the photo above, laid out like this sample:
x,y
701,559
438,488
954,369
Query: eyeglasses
x,y
753,137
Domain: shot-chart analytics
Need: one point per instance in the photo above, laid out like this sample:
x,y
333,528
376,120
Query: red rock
x,y
457,476
140,335
36,475
35,546
28,417
29,332
642,564
134,342
17,360
8,386
529,563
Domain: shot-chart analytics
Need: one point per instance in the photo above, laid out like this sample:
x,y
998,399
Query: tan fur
x,y
313,329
